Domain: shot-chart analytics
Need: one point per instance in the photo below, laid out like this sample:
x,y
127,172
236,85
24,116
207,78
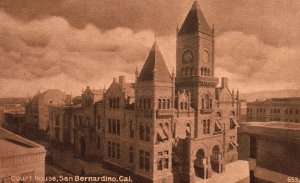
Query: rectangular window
x,y
98,142
109,125
141,159
118,127
113,149
147,161
118,151
114,127
131,134
98,122
109,149
131,154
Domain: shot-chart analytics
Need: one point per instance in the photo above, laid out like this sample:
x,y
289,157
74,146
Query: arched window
x,y
159,103
163,103
188,130
166,163
201,71
204,126
202,104
110,103
181,105
185,106
205,72
159,165
207,101
168,104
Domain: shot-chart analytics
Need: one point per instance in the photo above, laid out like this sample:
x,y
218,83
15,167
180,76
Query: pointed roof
x,y
195,21
155,62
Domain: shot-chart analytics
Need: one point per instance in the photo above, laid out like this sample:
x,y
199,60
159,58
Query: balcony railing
x,y
206,111
164,113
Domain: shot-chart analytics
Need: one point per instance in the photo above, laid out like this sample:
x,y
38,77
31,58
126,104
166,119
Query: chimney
x,y
224,82
122,81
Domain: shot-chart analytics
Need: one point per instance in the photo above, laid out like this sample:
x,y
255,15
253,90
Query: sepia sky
x,y
68,44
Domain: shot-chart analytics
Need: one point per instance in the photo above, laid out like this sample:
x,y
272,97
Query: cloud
x,y
48,48
255,65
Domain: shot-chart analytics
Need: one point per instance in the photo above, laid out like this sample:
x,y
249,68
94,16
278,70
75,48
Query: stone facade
x,y
162,126
20,159
177,127
274,109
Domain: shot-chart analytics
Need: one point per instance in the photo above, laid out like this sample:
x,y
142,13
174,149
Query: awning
x,y
161,134
236,144
235,122
233,144
219,126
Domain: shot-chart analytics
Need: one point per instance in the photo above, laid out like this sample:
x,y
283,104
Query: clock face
x,y
188,56
205,57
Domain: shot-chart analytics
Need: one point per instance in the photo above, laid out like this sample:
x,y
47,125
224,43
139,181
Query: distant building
x,y
74,125
273,150
274,109
20,158
242,111
12,112
37,108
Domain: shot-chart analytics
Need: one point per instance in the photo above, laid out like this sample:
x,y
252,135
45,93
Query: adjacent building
x,y
273,150
37,108
21,160
274,109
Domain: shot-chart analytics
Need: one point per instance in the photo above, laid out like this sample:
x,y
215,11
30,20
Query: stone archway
x,y
216,159
199,164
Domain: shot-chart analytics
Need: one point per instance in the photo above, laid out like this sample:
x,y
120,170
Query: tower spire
x,y
195,21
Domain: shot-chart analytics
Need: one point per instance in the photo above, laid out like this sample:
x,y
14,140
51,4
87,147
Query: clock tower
x,y
195,61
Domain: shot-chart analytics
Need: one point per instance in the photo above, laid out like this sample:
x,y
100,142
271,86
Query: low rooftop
x,y
284,131
15,145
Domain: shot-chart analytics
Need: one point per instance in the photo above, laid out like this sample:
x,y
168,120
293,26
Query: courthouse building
x,y
164,127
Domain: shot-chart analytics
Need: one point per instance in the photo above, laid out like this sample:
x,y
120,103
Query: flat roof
x,y
286,131
15,145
